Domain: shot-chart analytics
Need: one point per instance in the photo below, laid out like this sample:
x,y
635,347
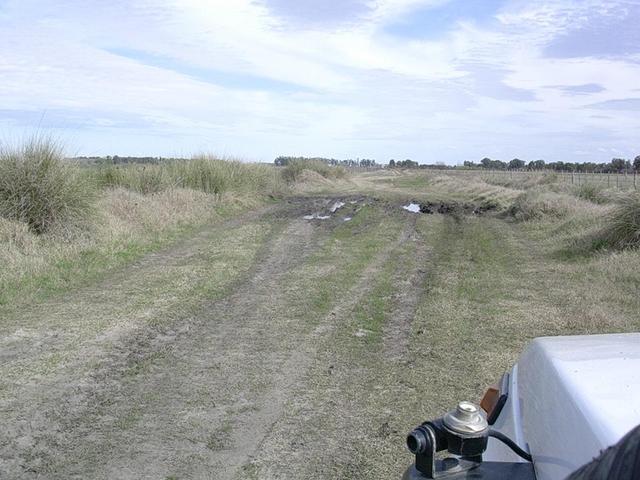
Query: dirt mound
x,y
309,176
309,181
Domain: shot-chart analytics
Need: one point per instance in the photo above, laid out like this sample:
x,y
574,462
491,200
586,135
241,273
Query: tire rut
x,y
195,397
296,467
410,287
44,412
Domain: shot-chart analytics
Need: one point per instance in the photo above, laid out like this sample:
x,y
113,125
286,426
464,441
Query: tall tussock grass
x,y
202,173
622,227
40,188
536,204
593,193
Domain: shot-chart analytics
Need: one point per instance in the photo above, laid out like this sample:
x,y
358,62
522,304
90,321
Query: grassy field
x,y
245,335
64,224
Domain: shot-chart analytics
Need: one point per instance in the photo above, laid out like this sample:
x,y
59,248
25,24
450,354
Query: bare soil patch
x,y
182,365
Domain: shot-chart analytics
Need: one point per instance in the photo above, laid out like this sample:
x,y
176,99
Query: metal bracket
x,y
430,467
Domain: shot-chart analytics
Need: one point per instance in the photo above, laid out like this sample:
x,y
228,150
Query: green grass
x,y
353,244
204,173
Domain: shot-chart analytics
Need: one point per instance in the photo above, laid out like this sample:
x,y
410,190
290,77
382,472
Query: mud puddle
x,y
331,207
412,207
449,208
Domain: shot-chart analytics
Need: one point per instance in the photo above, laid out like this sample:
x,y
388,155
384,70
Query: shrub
x,y
39,187
622,228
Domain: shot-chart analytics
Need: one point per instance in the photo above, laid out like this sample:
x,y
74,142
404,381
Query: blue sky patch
x,y
631,104
234,80
318,12
435,21
616,34
584,89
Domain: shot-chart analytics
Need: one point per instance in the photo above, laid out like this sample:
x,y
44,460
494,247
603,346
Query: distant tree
x,y
587,167
365,162
619,164
516,164
392,163
536,165
408,163
469,164
486,162
636,164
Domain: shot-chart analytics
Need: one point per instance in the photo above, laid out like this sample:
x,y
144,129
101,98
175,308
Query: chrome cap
x,y
467,419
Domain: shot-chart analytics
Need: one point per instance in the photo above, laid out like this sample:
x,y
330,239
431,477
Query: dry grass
x,y
520,181
60,222
537,203
126,222
133,209
204,173
296,169
622,226
40,188
593,193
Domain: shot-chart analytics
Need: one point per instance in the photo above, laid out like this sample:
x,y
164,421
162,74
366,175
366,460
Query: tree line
x,y
616,165
283,161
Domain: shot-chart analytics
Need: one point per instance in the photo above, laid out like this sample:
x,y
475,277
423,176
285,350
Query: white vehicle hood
x,y
578,395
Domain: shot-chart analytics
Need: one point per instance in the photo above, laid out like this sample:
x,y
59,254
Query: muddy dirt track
x,y
259,348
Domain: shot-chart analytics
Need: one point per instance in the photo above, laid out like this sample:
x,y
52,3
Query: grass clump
x,y
537,204
294,170
592,192
39,187
622,227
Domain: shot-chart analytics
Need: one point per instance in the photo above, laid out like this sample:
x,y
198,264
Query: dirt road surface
x,y
257,349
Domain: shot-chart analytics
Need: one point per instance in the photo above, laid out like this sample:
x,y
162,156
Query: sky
x,y
430,80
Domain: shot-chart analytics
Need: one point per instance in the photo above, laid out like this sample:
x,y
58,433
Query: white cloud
x,y
354,91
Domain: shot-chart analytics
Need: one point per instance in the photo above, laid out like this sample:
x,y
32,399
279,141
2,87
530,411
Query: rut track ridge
x,y
196,396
